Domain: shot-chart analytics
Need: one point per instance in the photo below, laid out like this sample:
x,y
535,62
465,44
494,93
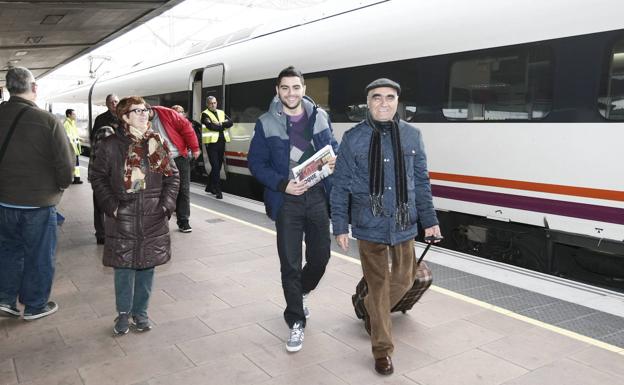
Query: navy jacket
x,y
269,151
351,176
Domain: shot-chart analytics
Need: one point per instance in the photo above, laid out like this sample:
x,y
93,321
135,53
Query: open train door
x,y
209,81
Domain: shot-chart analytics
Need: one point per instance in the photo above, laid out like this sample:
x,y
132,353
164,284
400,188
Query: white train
x,y
521,105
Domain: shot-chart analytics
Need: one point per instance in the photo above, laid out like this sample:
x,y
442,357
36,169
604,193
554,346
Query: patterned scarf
x,y
376,170
157,157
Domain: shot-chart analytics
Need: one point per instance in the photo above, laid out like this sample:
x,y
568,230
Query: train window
x,y
250,100
611,101
318,90
502,84
349,99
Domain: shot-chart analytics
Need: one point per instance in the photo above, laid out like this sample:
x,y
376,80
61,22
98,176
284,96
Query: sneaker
x,y
219,195
306,309
8,311
141,323
50,308
295,339
185,228
122,324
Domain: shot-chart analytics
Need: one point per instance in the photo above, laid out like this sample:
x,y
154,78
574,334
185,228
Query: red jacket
x,y
179,130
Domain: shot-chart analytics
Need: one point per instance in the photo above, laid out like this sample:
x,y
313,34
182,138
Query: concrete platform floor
x,y
217,315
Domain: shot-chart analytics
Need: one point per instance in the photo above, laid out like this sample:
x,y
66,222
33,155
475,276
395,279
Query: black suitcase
x,y
421,284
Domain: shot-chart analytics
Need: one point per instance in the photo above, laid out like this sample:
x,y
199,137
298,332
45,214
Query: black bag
x,y
423,280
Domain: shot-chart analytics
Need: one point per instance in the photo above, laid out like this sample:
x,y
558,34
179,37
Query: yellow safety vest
x,y
72,133
209,136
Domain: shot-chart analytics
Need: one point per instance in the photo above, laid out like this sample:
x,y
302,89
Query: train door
x,y
212,84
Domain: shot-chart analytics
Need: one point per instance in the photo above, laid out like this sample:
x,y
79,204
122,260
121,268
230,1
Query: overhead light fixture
x,y
33,39
52,19
20,53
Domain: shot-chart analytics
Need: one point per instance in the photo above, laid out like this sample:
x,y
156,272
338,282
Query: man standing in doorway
x,y
72,133
108,118
36,165
389,191
215,133
291,131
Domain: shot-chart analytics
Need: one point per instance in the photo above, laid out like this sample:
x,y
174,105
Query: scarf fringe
x,y
376,204
402,216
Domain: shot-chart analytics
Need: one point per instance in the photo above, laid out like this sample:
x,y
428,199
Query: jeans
x,y
133,289
183,202
27,248
216,152
299,215
385,287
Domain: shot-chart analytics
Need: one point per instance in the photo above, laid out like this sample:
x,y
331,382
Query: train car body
x,y
521,110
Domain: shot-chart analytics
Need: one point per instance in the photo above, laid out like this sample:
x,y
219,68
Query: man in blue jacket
x,y
382,164
291,131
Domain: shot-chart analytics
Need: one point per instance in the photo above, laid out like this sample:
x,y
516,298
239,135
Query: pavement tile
x,y
242,340
231,370
566,372
312,375
65,377
533,348
7,372
447,309
473,367
602,360
232,318
135,367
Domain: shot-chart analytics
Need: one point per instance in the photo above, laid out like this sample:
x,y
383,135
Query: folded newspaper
x,y
315,168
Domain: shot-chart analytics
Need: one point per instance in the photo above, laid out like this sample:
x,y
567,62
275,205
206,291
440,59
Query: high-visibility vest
x,y
72,133
209,136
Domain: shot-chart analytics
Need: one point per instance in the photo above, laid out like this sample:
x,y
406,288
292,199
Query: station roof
x,y
42,35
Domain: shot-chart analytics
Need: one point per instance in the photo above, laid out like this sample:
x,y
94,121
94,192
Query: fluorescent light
x,y
52,19
20,53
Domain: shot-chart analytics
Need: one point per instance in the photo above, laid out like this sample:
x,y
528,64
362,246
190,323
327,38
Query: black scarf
x,y
376,170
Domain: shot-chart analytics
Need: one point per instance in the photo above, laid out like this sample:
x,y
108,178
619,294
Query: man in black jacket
x,y
108,118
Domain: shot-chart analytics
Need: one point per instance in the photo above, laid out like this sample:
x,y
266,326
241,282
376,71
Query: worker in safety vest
x,y
215,133
74,139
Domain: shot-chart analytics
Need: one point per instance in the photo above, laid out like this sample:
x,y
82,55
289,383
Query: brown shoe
x,y
384,366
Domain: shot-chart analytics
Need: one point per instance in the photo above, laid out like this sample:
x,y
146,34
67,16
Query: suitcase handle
x,y
430,240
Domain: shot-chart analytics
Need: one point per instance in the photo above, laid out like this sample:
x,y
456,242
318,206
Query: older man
x,y
382,164
105,119
30,188
215,134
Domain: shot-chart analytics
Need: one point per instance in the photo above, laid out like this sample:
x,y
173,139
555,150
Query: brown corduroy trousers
x,y
385,287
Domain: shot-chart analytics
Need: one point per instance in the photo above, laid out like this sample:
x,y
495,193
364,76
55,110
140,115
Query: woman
x,y
135,184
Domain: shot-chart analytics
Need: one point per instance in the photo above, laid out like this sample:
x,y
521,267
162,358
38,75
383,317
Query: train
x,y
521,110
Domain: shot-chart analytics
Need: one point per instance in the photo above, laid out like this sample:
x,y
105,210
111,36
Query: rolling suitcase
x,y
421,284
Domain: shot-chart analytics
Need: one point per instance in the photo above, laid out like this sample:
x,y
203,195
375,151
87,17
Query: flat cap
x,y
384,82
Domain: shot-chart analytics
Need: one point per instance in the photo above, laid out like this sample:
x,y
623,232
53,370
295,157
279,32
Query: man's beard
x,y
291,107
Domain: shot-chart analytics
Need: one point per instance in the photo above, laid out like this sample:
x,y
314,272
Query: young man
x,y
389,191
291,131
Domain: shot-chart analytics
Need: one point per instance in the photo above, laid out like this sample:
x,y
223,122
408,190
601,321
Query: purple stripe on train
x,y
551,206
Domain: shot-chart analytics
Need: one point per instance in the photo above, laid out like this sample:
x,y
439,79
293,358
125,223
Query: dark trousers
x,y
385,287
216,152
98,220
302,215
183,202
133,289
27,248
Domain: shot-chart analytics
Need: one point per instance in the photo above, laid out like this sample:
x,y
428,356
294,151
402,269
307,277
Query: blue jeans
x,y
133,289
27,248
299,215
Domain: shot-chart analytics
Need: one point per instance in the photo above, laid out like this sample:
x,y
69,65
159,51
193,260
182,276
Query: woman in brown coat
x,y
135,184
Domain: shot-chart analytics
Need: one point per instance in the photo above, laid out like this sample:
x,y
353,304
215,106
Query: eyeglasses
x,y
140,111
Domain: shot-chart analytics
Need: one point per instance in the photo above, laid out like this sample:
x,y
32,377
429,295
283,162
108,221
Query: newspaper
x,y
315,168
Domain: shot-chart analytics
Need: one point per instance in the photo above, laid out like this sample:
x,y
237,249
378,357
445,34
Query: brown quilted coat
x,y
138,236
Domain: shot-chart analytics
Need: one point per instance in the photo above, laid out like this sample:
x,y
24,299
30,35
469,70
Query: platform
x,y
217,315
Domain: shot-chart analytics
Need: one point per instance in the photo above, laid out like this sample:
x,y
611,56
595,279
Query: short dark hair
x,y
289,72
19,80
68,112
109,97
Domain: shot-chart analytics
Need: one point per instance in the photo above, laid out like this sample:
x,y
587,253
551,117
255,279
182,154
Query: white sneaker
x,y
295,339
306,309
